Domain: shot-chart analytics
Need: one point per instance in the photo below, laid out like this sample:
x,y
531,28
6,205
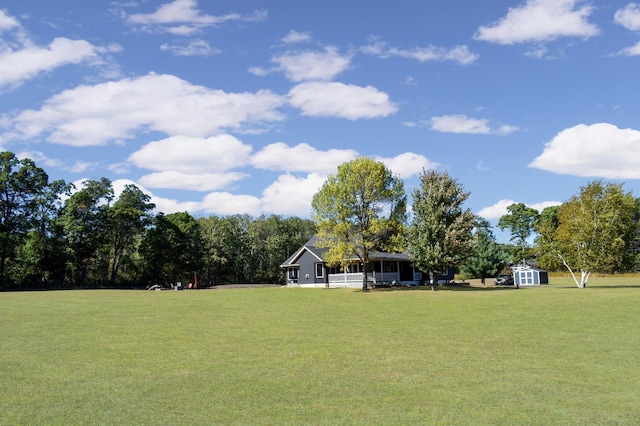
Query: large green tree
x,y
520,220
440,234
487,258
128,217
85,223
42,256
172,249
359,210
22,184
596,230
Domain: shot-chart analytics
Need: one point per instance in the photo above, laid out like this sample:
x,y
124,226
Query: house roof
x,y
310,246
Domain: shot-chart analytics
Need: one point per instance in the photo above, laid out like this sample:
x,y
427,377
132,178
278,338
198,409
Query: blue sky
x,y
225,107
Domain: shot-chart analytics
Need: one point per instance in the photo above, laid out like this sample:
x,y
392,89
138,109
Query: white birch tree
x,y
596,229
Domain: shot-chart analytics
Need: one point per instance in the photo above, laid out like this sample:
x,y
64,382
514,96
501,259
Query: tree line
x,y
362,209
53,235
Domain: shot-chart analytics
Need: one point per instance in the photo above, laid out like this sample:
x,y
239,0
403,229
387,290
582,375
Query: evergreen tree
x,y
487,258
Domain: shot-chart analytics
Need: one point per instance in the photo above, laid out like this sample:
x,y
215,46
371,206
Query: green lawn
x,y
554,354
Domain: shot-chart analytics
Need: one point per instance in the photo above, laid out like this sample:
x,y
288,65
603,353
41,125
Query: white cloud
x,y
543,205
182,17
172,179
80,166
631,51
290,195
463,124
77,166
598,150
540,21
499,209
459,54
22,59
194,164
224,203
629,16
169,205
301,158
121,168
303,66
216,202
96,115
296,37
333,99
193,48
7,22
408,164
30,61
40,159
309,65
193,155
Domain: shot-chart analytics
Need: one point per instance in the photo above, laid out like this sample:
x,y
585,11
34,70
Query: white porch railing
x,y
354,280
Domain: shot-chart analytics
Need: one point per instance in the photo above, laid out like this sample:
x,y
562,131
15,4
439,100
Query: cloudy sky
x,y
224,107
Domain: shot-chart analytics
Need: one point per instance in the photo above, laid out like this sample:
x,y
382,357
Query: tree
x,y
127,218
440,234
360,209
172,249
596,230
21,185
545,244
272,239
487,258
42,257
521,222
85,224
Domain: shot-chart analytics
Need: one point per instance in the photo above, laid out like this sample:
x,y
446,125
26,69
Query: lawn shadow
x,y
446,287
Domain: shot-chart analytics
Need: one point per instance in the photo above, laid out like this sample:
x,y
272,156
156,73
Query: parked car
x,y
504,280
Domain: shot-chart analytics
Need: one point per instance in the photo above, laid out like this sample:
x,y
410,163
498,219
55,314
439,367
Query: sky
x,y
228,107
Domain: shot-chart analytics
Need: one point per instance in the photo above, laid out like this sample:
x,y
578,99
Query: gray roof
x,y
310,246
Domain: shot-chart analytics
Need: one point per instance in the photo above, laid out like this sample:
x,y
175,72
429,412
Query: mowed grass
x,y
548,355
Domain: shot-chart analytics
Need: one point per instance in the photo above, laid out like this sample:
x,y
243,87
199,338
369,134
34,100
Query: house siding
x,y
307,273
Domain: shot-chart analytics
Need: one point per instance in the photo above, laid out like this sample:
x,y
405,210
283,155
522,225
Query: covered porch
x,y
385,271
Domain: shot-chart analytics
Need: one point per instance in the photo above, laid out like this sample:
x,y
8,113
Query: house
x,y
529,275
307,268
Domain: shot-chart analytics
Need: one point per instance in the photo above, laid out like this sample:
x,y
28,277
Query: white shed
x,y
528,275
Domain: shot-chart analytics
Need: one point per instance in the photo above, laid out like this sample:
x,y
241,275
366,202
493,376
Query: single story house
x,y
307,268
529,275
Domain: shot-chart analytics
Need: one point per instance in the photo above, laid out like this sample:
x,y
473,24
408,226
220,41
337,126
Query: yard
x,y
550,354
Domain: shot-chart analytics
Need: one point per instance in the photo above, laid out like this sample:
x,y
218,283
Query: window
x,y
389,266
319,270
526,277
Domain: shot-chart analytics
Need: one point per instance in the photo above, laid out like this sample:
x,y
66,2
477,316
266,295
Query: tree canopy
x,y
595,230
487,258
440,234
521,222
359,210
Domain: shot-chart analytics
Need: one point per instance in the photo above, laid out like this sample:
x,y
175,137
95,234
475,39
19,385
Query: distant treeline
x,y
53,235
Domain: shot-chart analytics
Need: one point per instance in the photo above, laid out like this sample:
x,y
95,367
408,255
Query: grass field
x,y
554,354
